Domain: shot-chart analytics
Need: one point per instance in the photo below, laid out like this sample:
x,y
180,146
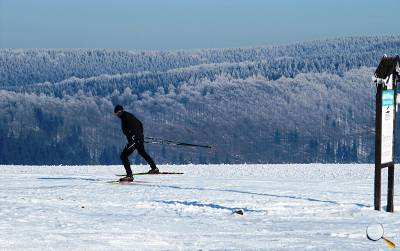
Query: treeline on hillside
x,y
25,67
300,103
310,118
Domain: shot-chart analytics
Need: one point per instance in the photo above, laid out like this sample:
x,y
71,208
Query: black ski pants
x,y
129,149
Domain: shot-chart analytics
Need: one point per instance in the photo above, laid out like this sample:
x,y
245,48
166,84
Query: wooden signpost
x,y
386,80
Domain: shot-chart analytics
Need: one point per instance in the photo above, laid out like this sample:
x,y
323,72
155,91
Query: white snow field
x,y
286,207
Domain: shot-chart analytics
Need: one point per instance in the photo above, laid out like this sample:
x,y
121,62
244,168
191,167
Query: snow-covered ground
x,y
286,207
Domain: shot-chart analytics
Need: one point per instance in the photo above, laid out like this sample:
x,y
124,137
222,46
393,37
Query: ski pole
x,y
153,140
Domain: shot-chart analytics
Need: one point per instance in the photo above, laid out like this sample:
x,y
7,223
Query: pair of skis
x,y
138,181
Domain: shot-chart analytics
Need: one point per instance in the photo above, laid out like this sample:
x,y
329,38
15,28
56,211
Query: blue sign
x,y
388,98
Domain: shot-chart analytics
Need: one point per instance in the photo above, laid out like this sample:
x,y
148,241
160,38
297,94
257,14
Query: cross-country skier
x,y
133,129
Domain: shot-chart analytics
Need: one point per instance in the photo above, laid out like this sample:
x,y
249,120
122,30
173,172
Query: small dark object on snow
x,y
83,206
240,211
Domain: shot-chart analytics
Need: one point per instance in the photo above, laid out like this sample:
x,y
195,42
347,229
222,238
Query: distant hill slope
x,y
308,102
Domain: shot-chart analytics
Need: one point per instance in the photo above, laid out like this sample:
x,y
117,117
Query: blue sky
x,y
175,24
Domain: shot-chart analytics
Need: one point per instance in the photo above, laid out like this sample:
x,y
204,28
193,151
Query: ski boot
x,y
154,171
128,178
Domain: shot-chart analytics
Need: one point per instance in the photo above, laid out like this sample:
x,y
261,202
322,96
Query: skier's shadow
x,y
210,205
260,194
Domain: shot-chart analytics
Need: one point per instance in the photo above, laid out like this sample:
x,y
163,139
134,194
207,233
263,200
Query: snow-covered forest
x,y
306,102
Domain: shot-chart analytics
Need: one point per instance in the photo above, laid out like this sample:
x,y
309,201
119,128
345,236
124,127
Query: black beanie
x,y
118,108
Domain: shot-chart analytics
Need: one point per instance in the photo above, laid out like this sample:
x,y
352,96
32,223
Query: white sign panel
x,y
387,126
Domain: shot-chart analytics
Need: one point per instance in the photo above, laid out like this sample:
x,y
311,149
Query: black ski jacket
x,y
131,127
